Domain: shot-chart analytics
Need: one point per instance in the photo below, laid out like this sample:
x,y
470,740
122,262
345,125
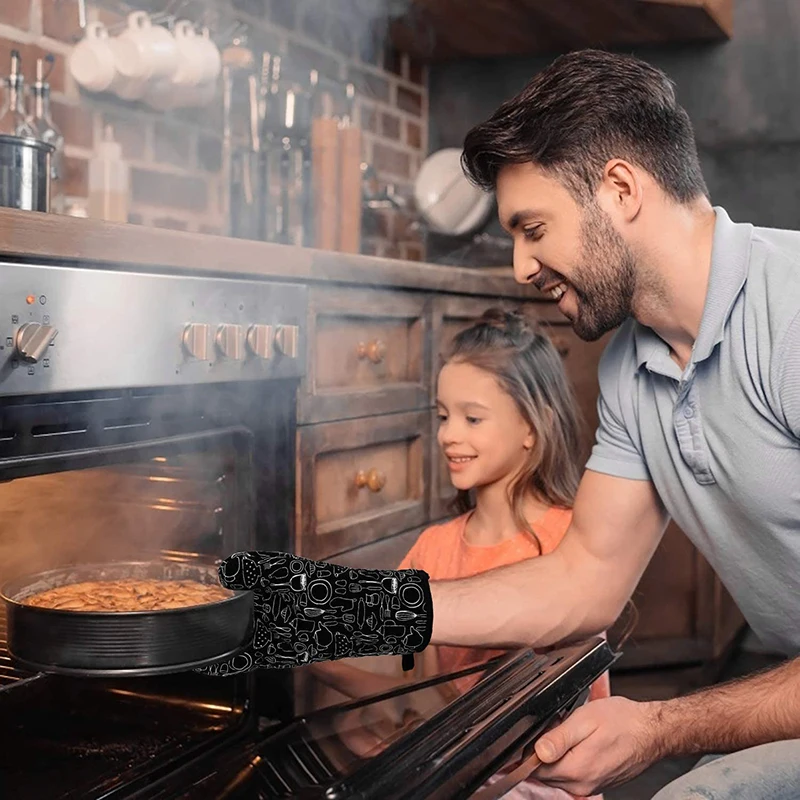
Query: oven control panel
x,y
78,329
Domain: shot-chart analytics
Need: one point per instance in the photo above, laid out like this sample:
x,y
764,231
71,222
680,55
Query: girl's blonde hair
x,y
527,366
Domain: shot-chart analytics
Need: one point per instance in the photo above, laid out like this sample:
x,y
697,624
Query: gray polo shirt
x,y
720,440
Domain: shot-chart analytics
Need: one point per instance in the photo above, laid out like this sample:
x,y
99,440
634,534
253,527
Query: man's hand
x,y
607,742
307,611
601,744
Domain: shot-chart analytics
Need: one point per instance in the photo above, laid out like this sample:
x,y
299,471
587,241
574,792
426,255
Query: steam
x,y
120,513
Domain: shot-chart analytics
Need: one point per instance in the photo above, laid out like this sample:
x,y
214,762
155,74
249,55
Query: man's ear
x,y
620,192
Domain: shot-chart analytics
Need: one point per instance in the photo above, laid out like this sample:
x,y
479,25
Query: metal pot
x,y
25,173
126,643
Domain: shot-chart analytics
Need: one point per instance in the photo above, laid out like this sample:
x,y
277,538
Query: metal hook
x,y
51,60
169,16
208,17
241,29
82,14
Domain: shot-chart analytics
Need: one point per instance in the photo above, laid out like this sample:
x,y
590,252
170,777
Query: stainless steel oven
x,y
153,416
141,416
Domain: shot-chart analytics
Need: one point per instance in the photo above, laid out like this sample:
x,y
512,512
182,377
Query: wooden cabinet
x,y
367,354
442,30
361,480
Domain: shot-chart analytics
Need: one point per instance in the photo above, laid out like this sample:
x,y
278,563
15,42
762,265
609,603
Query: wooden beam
x,y
695,3
721,11
437,30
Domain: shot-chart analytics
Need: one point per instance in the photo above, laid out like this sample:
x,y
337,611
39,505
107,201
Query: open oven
x,y
152,417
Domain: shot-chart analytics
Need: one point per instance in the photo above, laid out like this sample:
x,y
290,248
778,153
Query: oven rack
x,y
10,675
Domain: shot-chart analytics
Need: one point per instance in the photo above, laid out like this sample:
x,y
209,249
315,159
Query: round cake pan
x,y
124,643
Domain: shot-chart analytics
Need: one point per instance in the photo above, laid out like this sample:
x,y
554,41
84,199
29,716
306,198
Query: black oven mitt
x,y
308,611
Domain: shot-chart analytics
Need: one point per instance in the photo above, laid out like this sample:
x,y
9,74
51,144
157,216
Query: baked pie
x,y
128,594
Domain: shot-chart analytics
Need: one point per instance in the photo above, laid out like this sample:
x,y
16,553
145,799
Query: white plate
x,y
445,198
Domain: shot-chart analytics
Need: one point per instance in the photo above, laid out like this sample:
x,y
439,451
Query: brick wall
x,y
176,156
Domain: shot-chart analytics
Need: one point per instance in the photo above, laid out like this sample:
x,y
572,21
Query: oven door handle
x,y
530,761
24,465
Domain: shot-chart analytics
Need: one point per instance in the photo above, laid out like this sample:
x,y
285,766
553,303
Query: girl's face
x,y
481,431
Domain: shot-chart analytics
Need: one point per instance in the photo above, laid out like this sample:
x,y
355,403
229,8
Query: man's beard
x,y
606,283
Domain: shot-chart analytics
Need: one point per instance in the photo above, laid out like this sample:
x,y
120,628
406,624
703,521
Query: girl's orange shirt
x,y
445,554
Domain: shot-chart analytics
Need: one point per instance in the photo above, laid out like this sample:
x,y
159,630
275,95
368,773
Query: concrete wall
x,y
743,97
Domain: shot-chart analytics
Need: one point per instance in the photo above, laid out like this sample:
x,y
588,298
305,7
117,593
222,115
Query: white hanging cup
x,y
91,62
145,51
212,60
191,55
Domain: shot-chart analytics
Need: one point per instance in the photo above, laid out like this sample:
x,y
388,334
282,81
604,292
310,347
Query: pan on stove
x,y
124,643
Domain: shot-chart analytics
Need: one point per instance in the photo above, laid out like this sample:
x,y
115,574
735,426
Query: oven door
x,y
427,740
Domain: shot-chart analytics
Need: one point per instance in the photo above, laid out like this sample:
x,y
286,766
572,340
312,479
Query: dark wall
x,y
743,97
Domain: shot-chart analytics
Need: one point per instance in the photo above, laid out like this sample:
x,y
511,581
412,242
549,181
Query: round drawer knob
x,y
374,351
372,479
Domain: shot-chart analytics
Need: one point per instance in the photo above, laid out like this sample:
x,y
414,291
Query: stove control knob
x,y
33,339
259,340
287,338
229,341
195,340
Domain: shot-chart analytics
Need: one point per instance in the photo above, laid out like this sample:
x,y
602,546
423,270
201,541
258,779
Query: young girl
x,y
508,428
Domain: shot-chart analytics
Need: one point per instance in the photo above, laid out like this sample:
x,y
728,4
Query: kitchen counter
x,y
53,238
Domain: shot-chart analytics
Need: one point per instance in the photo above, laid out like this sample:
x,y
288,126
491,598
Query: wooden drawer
x,y
360,481
368,353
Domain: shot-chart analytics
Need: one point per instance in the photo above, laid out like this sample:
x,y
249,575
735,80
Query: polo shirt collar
x,y
730,256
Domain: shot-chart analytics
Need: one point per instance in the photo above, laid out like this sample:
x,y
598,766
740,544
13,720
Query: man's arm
x,y
734,716
610,741
578,590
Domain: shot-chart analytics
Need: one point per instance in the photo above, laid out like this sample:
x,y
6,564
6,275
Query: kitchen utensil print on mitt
x,y
307,611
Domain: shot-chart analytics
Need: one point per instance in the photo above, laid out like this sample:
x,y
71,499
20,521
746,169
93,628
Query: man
x,y
598,182
597,179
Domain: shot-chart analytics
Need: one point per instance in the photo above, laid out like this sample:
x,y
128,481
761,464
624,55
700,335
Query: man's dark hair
x,y
586,108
